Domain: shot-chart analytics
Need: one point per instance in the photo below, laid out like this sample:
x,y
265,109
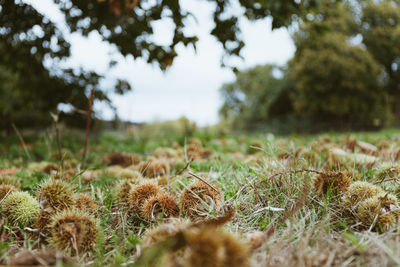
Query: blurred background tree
x,y
334,80
33,48
257,95
380,28
344,74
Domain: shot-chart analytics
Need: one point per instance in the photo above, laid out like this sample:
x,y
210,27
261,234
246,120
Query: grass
x,y
295,226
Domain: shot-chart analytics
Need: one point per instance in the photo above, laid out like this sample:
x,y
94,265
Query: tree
x,y
255,97
380,28
335,81
32,47
30,89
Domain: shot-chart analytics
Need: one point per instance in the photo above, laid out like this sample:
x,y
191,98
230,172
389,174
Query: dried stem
x,y
21,140
184,168
204,181
89,115
58,138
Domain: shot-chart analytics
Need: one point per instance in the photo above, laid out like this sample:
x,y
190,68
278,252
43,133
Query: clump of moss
x,y
359,191
336,182
10,180
154,168
85,203
160,206
20,208
194,197
6,189
140,193
381,209
73,230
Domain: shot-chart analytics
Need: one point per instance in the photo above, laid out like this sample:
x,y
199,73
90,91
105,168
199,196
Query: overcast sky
x,y
190,86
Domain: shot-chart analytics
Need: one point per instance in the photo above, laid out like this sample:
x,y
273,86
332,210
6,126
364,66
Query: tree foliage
x,y
256,96
33,48
337,82
343,74
30,89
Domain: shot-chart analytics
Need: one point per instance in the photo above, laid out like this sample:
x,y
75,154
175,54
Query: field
x,y
148,200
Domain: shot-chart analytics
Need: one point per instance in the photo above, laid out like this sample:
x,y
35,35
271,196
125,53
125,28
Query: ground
x,y
281,201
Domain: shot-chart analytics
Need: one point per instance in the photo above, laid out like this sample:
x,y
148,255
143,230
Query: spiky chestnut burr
x,y
20,208
198,193
122,188
359,191
154,168
162,205
139,194
6,189
381,209
10,180
55,195
207,246
85,203
335,182
73,230
163,231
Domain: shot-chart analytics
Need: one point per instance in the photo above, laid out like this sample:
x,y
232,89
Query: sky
x,y
191,86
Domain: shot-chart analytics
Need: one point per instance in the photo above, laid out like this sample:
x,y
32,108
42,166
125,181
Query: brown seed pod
x,y
206,153
382,209
195,141
166,153
6,189
193,151
160,206
140,193
154,168
83,202
50,168
42,222
40,258
194,197
122,159
336,182
256,239
73,230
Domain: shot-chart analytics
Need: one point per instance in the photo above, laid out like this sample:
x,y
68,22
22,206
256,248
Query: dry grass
x,y
284,199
